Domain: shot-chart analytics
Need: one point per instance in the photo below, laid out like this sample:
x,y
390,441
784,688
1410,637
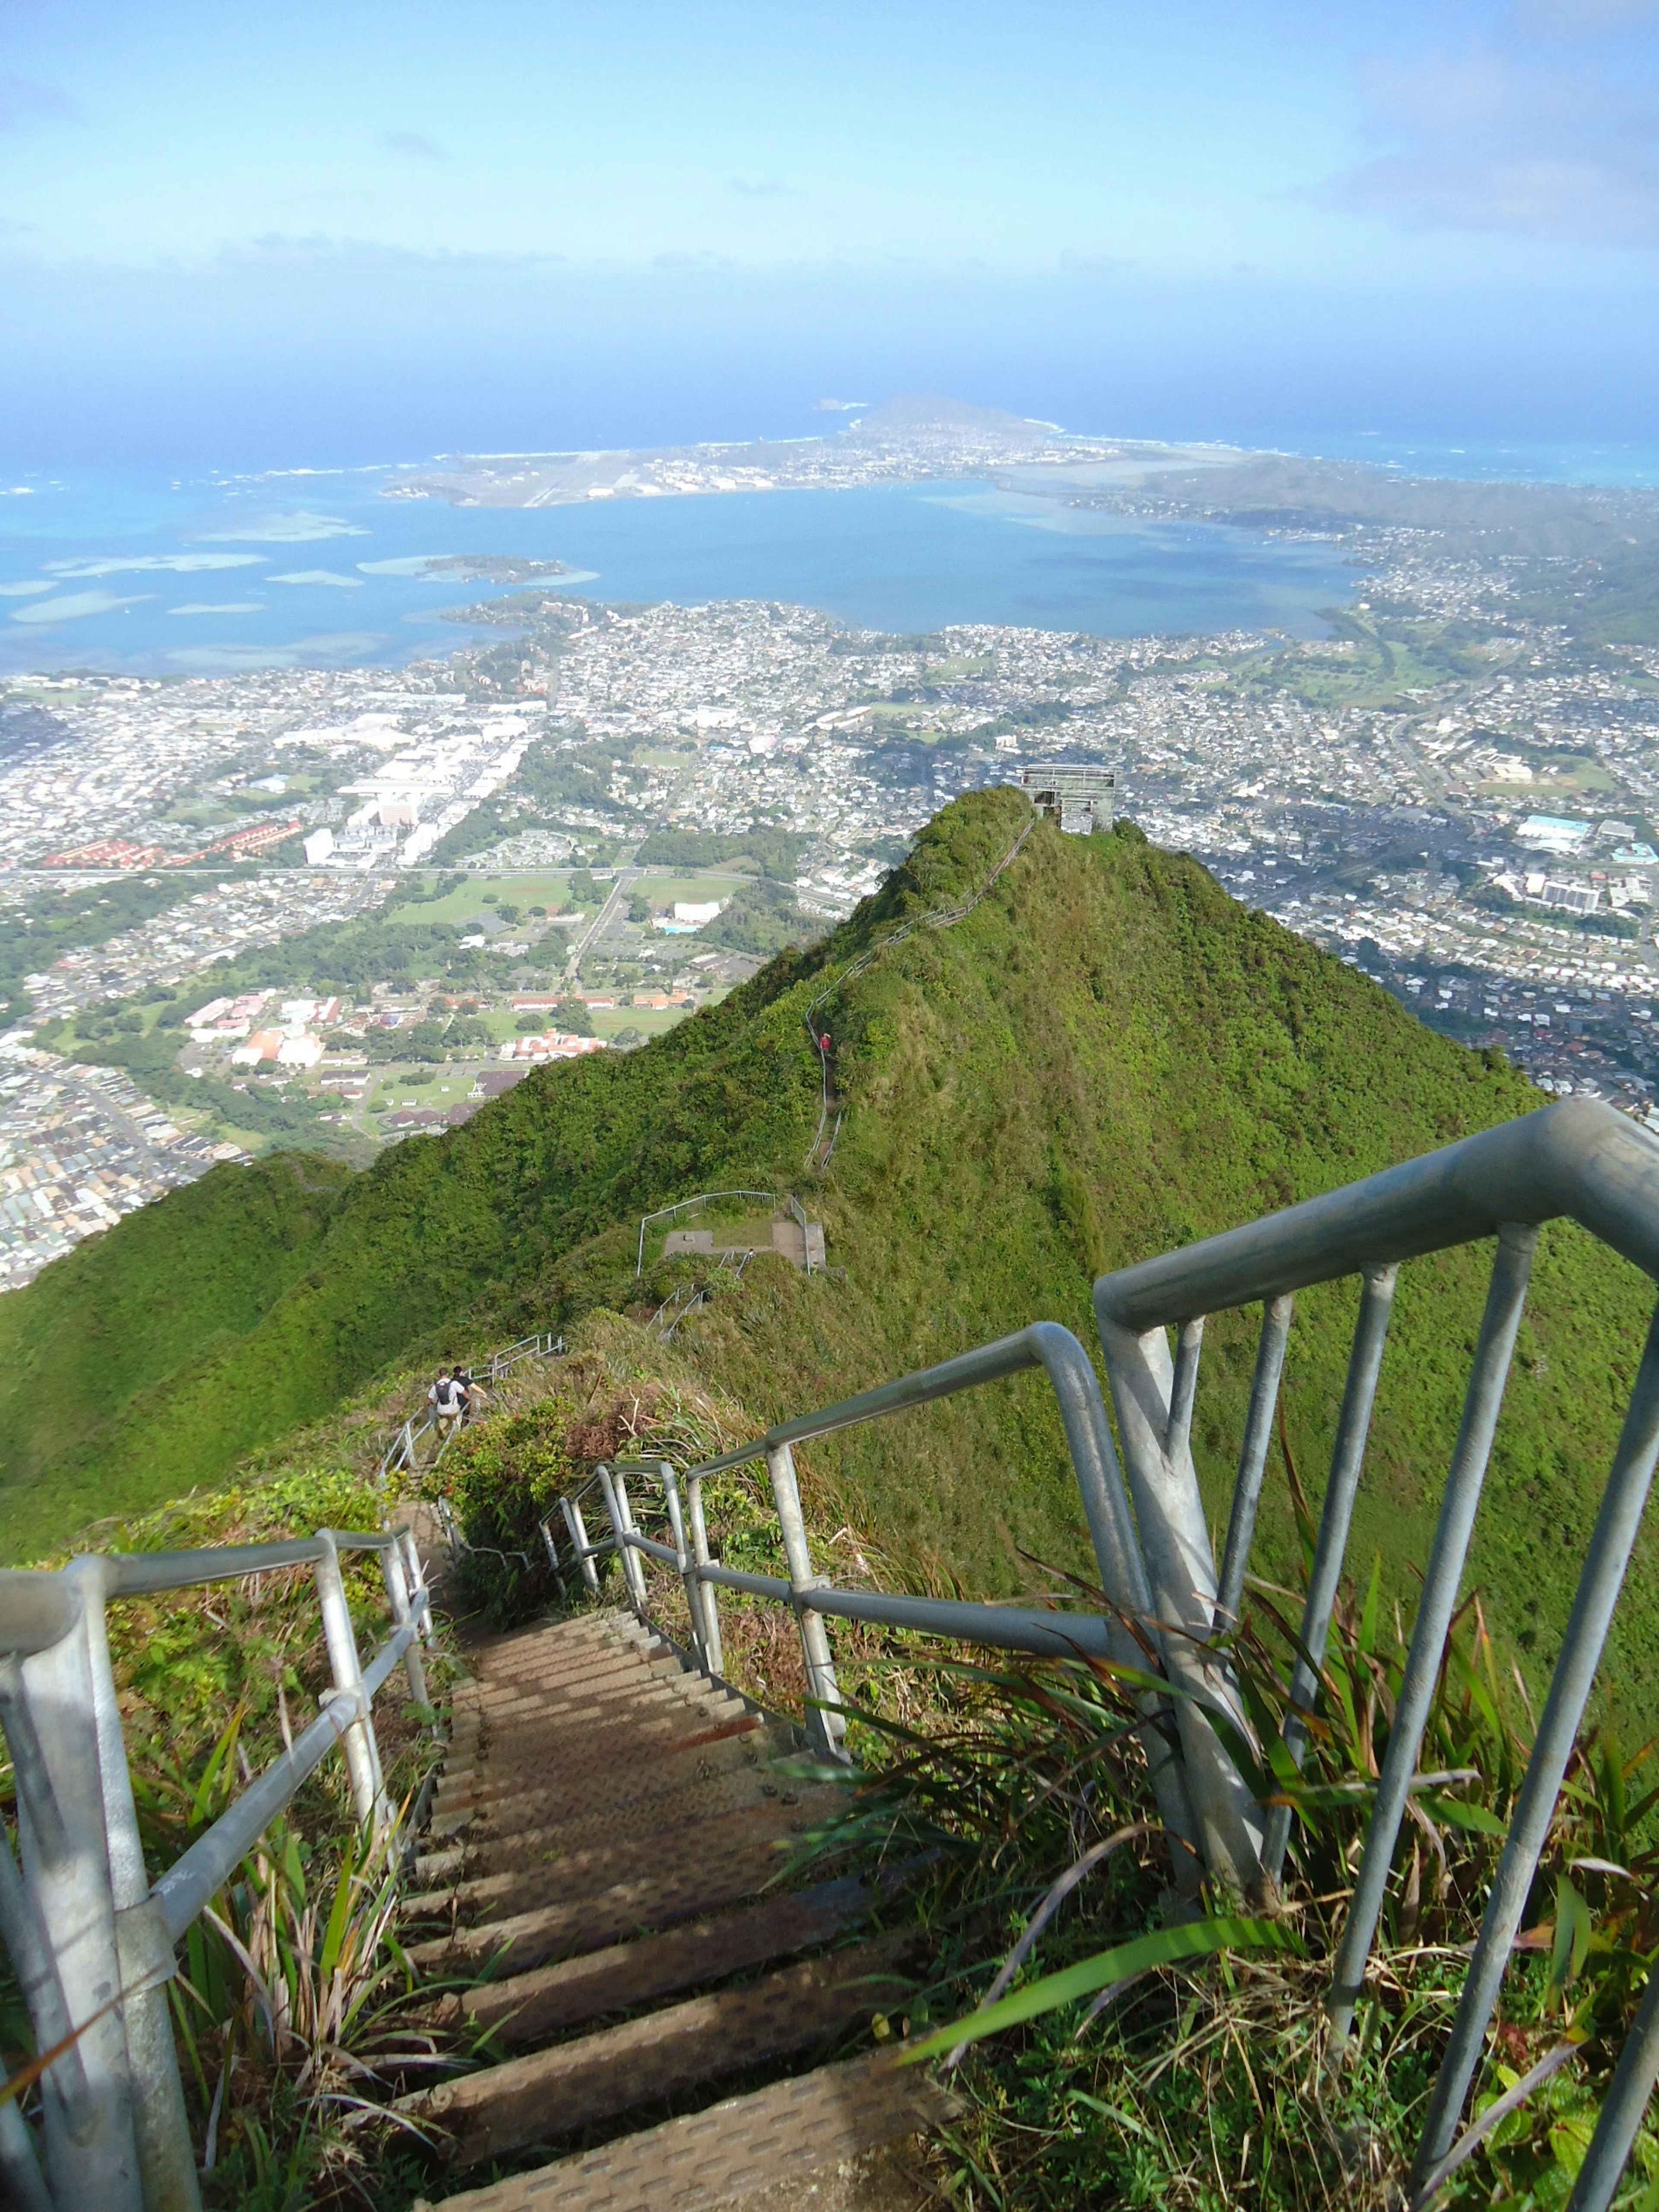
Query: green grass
x,y
548,887
663,888
1107,1058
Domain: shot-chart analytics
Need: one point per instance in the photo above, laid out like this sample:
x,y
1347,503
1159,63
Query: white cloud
x,y
220,607
22,100
414,146
1501,136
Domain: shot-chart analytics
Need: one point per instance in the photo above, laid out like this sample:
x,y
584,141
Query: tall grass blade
x,y
1164,1947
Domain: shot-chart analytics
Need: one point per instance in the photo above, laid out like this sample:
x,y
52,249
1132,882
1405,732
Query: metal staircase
x,y
605,1831
610,1811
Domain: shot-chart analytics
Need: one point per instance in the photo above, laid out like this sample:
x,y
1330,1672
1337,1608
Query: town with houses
x,y
370,900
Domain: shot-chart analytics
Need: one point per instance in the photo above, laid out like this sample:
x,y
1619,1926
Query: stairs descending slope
x,y
603,1833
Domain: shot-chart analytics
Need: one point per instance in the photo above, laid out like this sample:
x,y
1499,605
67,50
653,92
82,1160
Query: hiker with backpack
x,y
448,1400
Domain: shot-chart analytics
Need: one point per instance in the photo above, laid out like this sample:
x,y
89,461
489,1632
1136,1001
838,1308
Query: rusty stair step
x,y
739,1847
516,1941
564,1784
628,1775
785,2132
526,1830
668,1727
686,2046
596,1985
607,1669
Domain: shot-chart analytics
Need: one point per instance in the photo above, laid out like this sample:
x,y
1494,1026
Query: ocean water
x,y
1628,465
319,569
316,569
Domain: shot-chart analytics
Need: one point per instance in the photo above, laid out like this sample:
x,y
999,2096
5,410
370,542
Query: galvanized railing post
x,y
1175,1540
362,1755
707,1595
578,1528
1347,1458
682,1560
166,2159
622,1521
1623,2109
1253,1457
91,2139
1605,1564
1183,1390
1505,1298
826,1725
20,2179
29,1951
552,1551
414,1575
397,1597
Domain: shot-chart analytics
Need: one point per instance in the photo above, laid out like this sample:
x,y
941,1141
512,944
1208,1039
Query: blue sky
x,y
450,224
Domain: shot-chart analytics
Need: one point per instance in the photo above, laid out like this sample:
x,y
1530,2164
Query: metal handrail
x,y
792,1204
401,1453
89,1936
1579,1160
1044,1345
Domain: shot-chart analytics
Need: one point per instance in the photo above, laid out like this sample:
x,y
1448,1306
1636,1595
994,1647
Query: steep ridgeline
x,y
1106,1057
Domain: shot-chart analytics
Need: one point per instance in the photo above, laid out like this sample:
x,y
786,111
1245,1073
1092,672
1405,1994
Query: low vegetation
x,y
1108,1057
1110,2047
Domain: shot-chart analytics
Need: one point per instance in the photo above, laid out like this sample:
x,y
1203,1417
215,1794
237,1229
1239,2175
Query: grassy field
x,y
704,884
548,887
1106,1059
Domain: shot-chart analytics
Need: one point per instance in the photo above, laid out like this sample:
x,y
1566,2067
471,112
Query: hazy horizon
x,y
338,235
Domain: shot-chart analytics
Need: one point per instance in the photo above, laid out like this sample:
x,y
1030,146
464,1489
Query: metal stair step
x,y
557,2092
606,1669
527,2007
740,1846
525,1832
663,1730
565,1782
550,1663
787,2132
619,1782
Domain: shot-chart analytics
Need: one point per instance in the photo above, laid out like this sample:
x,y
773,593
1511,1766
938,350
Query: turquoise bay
x,y
322,571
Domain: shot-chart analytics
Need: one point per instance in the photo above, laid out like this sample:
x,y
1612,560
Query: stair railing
x,y
401,1452
1044,1345
501,1363
90,1937
1578,1161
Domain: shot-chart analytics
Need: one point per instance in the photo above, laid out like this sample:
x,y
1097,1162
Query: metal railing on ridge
x,y
403,1449
1578,1161
796,1211
90,1937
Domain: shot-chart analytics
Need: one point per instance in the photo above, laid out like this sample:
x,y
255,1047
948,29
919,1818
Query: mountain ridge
x,y
1105,1058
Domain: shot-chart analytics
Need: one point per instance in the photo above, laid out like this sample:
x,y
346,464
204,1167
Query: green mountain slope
x,y
1106,1057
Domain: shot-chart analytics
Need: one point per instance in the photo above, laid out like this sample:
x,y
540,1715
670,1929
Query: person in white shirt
x,y
447,1399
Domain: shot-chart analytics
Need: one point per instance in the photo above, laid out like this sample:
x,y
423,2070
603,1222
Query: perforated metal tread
x,y
612,1816
570,1905
612,1775
594,2077
787,2132
525,2007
